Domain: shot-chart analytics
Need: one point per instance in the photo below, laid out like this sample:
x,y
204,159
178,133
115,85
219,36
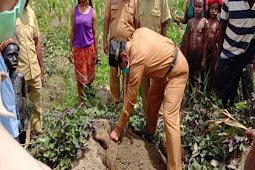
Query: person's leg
x,y
229,81
80,92
114,85
155,98
183,43
145,90
173,94
247,81
172,101
34,91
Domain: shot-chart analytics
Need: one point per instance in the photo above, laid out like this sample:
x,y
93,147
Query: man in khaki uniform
x,y
31,64
151,55
152,14
119,15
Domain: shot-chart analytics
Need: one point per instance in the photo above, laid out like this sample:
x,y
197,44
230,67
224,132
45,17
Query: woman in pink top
x,y
83,44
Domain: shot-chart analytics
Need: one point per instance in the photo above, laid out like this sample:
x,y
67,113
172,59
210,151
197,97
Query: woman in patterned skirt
x,y
83,44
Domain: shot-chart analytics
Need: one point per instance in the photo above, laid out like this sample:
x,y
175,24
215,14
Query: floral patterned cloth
x,y
84,64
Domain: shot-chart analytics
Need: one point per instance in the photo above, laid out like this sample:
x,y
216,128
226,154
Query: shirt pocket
x,y
129,14
114,9
156,12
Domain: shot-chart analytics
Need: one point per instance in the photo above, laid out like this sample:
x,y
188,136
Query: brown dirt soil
x,y
131,153
103,92
52,92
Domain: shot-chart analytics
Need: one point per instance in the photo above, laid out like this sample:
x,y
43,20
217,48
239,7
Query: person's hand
x,y
106,48
176,19
203,64
216,68
71,59
96,58
115,134
42,78
250,134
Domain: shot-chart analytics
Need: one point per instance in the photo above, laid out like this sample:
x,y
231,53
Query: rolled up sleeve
x,y
165,11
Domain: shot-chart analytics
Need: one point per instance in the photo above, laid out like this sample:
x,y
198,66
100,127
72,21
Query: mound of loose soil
x,y
130,153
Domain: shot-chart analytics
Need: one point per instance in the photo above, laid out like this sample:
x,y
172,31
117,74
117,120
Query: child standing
x,y
212,47
10,53
84,40
197,40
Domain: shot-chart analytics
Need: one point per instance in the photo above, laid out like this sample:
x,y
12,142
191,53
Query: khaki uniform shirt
x,y
121,14
152,13
150,55
27,30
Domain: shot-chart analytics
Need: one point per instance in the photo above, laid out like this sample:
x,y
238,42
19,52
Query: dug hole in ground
x,y
132,152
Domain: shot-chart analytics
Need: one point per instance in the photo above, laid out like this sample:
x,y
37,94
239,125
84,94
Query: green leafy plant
x,y
64,137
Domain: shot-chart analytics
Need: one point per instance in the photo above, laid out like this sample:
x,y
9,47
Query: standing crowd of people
x,y
137,47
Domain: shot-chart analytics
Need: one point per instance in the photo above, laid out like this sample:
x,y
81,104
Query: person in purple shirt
x,y
83,44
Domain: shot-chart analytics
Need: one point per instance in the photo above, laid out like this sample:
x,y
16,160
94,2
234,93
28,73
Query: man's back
x,y
151,49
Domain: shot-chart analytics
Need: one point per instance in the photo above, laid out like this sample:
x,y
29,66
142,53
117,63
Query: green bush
x,y
64,137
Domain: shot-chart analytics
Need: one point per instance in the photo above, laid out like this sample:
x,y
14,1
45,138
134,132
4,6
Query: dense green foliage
x,y
65,136
67,130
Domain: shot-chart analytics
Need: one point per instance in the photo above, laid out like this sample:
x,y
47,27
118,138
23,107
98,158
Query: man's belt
x,y
174,61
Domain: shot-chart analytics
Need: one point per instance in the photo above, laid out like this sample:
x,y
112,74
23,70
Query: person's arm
x,y
71,59
38,49
163,28
250,158
23,88
107,17
184,20
95,36
106,30
137,19
205,37
224,19
137,24
221,35
188,39
13,156
165,16
134,81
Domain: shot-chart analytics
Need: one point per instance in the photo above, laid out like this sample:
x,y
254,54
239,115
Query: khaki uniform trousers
x,y
34,87
145,90
115,85
170,92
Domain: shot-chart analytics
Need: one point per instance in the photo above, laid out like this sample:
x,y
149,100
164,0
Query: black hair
x,y
194,5
90,3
